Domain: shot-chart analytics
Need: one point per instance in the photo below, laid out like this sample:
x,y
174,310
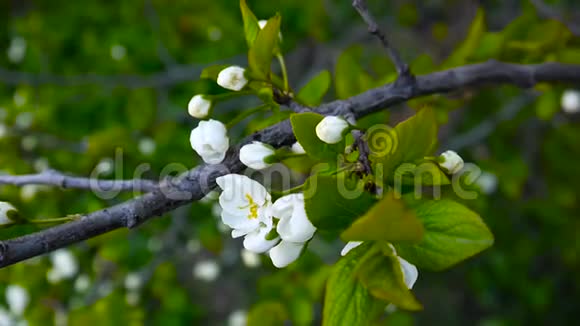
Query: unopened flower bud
x,y
451,162
330,130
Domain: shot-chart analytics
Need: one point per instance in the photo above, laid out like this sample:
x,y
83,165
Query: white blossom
x,y
147,146
82,283
118,52
17,49
294,228
250,259
487,182
238,318
17,299
133,281
5,317
6,211
330,130
451,162
214,33
64,265
571,101
209,139
254,154
232,78
206,270
297,148
246,209
198,106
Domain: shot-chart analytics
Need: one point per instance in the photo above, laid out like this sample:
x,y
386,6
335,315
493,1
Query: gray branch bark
x,y
55,178
194,184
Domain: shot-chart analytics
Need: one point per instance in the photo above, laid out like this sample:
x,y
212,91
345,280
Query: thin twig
x,y
55,178
401,66
194,184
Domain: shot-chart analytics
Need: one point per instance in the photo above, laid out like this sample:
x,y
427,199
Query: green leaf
x,y
470,43
313,92
212,72
304,127
334,202
267,314
383,277
347,301
262,50
426,173
251,27
452,234
349,77
409,142
547,105
388,220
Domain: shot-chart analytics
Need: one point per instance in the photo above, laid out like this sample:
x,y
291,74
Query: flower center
x,y
253,207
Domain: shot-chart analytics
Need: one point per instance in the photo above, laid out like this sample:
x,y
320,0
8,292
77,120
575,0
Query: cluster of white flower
x,y
209,139
282,227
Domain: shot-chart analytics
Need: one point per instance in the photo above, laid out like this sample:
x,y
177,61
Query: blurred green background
x,y
101,87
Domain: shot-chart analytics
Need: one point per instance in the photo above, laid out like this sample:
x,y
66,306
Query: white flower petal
x,y
256,241
294,225
350,246
5,210
297,148
285,253
253,155
330,130
451,162
410,272
198,107
209,139
571,101
232,78
17,299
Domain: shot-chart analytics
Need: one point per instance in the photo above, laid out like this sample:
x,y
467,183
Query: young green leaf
x,y
413,139
469,45
304,127
313,92
382,276
388,220
334,202
251,27
262,50
347,301
452,234
349,77
426,173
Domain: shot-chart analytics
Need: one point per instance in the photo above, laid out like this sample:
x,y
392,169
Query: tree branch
x,y
194,184
401,66
55,178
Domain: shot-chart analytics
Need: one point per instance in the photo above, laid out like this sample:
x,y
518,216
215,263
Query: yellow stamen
x,y
253,207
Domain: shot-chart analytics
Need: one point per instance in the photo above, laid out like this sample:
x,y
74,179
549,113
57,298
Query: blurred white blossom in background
x,y
17,49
